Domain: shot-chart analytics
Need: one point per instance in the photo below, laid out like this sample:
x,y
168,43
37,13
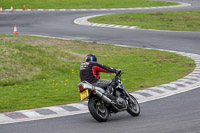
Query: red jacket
x,y
89,71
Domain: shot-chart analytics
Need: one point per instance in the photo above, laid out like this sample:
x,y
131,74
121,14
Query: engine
x,y
120,102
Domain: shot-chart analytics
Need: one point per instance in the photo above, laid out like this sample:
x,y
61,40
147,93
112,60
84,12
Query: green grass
x,y
37,72
175,21
66,4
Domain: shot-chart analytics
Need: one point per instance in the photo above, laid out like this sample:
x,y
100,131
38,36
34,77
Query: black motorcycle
x,y
101,106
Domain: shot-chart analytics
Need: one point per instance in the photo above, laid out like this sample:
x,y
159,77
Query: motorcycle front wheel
x,y
133,106
98,110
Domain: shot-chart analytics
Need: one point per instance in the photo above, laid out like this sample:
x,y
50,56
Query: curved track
x,y
177,114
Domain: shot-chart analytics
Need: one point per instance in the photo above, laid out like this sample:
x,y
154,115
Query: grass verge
x,y
175,21
67,4
37,72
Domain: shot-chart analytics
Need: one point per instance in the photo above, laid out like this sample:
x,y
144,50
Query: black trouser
x,y
108,85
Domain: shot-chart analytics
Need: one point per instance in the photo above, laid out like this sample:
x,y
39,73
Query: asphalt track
x,y
175,114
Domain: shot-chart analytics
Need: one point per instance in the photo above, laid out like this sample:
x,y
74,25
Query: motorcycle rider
x,y
90,72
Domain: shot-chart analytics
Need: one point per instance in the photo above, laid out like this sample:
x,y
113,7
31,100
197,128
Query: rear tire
x,y
98,110
133,106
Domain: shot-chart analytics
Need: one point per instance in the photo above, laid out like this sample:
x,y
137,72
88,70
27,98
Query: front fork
x,y
125,94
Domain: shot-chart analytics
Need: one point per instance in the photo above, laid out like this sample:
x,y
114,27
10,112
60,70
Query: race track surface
x,y
175,114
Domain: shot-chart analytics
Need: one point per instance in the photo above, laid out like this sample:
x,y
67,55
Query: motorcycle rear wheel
x,y
98,110
133,106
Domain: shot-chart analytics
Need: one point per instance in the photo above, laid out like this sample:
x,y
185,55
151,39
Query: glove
x,y
118,71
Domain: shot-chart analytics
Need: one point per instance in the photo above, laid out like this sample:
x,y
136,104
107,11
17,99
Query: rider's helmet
x,y
91,57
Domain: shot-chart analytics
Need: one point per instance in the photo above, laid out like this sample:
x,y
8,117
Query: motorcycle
x,y
101,106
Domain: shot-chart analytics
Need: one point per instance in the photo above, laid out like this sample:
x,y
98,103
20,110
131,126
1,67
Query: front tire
x,y
98,110
133,106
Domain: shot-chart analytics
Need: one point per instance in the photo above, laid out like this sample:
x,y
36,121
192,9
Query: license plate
x,y
84,95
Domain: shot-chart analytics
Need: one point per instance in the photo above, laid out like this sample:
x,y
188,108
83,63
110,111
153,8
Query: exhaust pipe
x,y
102,96
107,100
